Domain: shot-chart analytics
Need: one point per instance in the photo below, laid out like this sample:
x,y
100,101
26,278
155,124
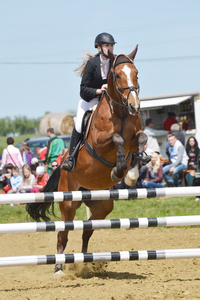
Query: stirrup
x,y
68,164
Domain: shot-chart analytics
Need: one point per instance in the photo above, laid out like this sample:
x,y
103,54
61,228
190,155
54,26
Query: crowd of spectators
x,y
21,172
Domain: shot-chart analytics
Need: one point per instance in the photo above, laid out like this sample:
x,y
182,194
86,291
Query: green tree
x,y
20,124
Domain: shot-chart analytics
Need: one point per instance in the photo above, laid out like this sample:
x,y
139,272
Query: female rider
x,y
94,82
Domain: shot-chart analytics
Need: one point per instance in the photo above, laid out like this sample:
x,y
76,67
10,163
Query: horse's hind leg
x,y
99,210
68,211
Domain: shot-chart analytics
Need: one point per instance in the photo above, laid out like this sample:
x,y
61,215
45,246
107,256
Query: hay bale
x,y
62,123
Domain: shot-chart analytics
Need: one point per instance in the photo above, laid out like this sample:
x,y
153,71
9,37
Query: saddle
x,y
86,123
84,131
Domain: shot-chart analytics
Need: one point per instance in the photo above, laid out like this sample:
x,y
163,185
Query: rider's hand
x,y
100,91
104,86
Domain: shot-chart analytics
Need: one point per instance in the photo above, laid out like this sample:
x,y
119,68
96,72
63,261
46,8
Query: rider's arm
x,y
87,92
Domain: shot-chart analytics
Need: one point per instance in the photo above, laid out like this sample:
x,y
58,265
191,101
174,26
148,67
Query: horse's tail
x,y
39,211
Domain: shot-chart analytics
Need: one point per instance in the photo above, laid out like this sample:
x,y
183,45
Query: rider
x,y
94,82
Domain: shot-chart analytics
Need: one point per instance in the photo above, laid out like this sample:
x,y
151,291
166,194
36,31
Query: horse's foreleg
x,y
118,172
99,210
142,140
133,174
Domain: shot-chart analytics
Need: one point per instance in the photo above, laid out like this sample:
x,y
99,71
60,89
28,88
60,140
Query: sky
x,y
42,42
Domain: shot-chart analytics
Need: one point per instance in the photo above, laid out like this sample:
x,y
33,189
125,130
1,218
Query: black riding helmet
x,y
103,38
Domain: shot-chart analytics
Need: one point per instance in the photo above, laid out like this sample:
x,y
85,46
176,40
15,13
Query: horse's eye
x,y
117,76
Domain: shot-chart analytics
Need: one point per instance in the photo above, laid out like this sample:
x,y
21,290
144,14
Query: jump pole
x,y
120,194
98,256
99,224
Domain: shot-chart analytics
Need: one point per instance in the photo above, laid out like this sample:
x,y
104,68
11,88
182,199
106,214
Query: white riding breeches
x,y
83,106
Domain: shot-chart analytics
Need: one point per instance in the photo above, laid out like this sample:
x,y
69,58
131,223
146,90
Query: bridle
x,y
124,100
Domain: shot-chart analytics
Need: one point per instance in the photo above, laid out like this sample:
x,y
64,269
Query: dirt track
x,y
160,279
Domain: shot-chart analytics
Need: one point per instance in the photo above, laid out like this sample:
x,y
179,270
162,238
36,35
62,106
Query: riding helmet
x,y
103,37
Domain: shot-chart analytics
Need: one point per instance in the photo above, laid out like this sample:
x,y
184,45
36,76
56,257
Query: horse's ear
x,y
111,56
133,53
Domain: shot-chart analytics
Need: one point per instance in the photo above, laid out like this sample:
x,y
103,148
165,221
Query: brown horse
x,y
106,152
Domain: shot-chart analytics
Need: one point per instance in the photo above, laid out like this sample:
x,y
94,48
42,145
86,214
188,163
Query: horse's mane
x,y
80,70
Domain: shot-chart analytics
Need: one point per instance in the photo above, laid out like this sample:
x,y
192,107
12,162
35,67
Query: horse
x,y
114,135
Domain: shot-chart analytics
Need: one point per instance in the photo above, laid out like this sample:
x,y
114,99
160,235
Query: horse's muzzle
x,y
133,110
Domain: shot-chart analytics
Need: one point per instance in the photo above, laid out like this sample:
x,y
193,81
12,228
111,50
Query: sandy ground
x,y
159,279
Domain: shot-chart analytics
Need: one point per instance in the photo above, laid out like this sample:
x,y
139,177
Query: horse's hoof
x,y
59,274
114,178
131,177
128,181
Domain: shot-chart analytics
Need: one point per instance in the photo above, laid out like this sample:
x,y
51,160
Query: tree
x,y
20,124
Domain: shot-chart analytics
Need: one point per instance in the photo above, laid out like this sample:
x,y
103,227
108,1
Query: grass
x,y
155,207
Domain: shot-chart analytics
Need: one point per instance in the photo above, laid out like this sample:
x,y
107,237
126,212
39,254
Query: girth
x,y
99,158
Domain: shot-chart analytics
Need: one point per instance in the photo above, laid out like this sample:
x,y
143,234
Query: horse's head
x,y
125,81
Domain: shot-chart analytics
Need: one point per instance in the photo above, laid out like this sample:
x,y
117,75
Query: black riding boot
x,y
70,161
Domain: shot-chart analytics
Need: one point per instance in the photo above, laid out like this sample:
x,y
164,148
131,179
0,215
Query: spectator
x,y
175,129
154,176
189,121
34,161
41,152
192,151
178,161
26,153
151,133
15,180
180,134
54,165
11,155
54,148
196,181
169,121
28,179
33,169
40,181
6,179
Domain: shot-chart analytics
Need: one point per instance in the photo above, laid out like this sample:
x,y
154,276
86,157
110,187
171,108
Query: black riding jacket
x,y
92,79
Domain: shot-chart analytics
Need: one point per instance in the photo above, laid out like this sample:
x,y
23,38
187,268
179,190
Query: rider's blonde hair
x,y
81,69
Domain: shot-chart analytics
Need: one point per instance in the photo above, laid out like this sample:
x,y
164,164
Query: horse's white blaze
x,y
127,71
